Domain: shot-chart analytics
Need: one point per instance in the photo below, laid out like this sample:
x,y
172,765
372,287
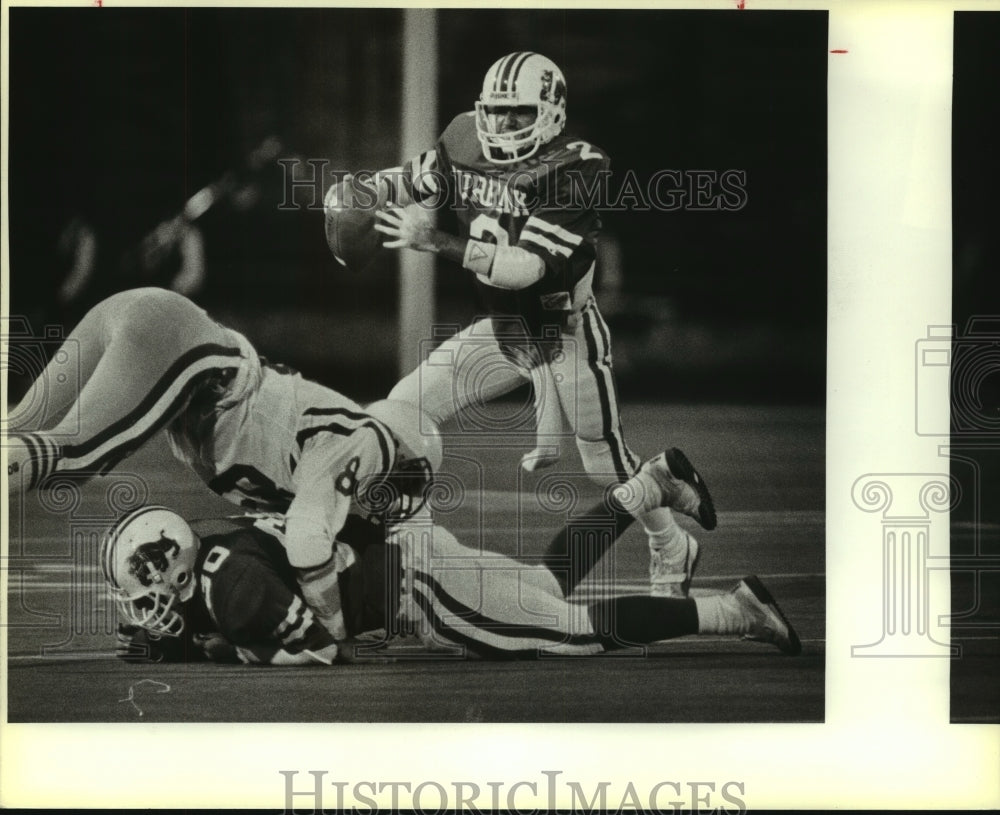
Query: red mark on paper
x,y
839,51
741,4
98,3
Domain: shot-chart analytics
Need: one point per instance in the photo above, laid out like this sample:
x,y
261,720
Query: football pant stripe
x,y
597,350
602,328
499,631
460,638
31,442
336,411
514,649
167,397
555,231
450,634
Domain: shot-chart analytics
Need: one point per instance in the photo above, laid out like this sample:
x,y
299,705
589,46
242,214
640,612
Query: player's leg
x,y
50,398
52,394
492,606
667,481
467,369
749,609
626,621
144,353
592,399
485,603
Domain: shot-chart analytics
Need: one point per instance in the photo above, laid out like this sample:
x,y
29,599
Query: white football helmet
x,y
521,79
148,559
419,456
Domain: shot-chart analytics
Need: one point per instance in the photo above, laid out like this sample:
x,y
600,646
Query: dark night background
x,y
975,443
119,115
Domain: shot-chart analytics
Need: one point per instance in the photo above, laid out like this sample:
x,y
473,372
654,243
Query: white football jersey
x,y
291,446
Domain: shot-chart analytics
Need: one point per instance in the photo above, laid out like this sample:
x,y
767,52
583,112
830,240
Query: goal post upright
x,y
419,130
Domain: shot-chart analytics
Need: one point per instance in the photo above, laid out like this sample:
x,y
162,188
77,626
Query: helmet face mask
x,y
520,80
148,559
403,492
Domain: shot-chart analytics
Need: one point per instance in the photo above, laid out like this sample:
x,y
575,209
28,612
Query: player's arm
x,y
261,620
299,639
334,471
407,223
506,267
558,232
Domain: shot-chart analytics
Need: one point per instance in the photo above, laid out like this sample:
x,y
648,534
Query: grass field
x,y
766,469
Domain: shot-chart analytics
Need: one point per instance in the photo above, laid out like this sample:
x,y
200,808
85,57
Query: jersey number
x,y
347,482
585,151
213,560
483,225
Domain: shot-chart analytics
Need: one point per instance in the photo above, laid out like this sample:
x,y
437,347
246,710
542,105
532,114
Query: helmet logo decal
x,y
550,93
151,559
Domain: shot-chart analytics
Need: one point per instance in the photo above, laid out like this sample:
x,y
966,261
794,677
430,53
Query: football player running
x,y
524,193
230,596
256,433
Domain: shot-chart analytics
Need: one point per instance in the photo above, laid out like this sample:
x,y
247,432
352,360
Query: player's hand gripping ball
x,y
350,208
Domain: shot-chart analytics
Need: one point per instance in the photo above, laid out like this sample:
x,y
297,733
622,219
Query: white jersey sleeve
x,y
337,464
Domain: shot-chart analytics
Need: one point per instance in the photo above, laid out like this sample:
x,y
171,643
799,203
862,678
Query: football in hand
x,y
350,208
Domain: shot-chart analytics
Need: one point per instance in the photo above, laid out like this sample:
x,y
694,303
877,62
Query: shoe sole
x,y
684,470
794,646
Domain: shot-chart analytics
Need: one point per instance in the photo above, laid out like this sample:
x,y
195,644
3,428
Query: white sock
x,y
664,533
720,614
640,494
31,457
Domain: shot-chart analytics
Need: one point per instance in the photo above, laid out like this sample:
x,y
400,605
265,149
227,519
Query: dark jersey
x,y
248,593
545,205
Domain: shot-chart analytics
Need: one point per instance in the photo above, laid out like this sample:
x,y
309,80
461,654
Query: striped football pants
x,y
468,601
469,369
130,366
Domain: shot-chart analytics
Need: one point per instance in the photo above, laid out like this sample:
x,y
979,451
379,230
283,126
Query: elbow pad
x,y
503,267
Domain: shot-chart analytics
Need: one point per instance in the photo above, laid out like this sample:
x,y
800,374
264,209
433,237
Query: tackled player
x,y
230,596
256,433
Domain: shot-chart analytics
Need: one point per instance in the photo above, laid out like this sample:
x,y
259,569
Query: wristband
x,y
478,257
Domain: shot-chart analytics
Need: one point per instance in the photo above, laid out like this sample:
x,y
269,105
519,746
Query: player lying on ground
x,y
256,433
525,195
230,596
